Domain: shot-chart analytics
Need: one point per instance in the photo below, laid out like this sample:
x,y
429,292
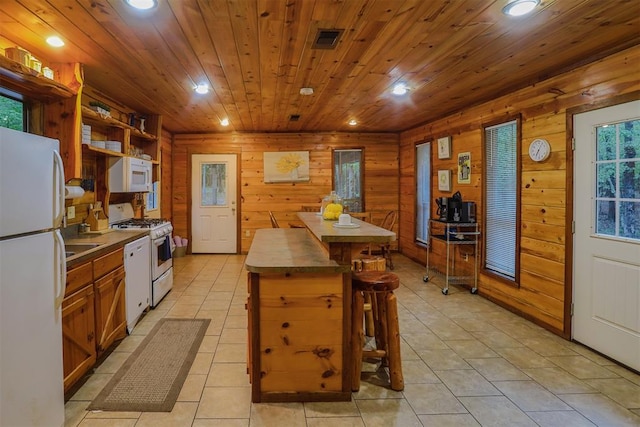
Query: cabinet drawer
x,y
78,277
107,263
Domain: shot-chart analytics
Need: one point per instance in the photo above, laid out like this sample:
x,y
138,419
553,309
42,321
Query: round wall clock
x,y
539,150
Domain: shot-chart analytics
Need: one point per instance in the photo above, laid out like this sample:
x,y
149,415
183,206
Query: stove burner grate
x,y
141,223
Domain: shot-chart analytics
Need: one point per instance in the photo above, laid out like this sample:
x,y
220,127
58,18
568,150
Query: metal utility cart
x,y
452,234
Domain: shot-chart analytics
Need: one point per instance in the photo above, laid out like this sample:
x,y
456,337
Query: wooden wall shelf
x,y
112,153
23,79
91,115
102,150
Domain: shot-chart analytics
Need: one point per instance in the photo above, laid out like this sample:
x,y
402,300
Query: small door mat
x,y
151,378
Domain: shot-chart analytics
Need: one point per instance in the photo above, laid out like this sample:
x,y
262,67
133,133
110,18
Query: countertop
x,y
108,242
326,232
289,250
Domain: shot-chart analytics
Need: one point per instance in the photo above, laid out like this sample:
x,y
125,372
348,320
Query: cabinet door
x,y
78,335
111,315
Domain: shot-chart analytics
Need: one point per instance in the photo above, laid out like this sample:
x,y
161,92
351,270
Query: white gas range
x,y
121,217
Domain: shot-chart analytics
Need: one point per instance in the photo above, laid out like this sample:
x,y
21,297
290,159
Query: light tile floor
x,y
466,362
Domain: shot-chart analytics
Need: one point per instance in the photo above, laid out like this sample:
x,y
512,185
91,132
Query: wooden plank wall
x,y
166,174
285,199
545,195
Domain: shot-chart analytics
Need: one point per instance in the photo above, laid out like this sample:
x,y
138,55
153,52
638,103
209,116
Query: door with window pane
x,y
213,195
606,268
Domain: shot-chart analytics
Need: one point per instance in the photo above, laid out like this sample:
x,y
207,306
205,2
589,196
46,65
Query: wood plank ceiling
x,y
257,54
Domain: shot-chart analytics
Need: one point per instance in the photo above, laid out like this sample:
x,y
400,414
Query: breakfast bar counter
x,y
342,243
289,250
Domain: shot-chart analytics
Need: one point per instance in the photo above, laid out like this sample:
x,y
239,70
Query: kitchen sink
x,y
73,249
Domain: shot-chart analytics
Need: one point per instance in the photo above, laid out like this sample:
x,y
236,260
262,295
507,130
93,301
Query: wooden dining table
x,y
344,243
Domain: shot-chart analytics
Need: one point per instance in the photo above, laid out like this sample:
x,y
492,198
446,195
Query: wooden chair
x,y
366,217
387,223
310,208
274,221
385,249
362,216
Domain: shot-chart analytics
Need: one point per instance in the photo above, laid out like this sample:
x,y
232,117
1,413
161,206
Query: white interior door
x,y
606,268
213,212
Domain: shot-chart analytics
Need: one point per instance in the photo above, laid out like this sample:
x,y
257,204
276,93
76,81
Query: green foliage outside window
x,y
618,179
11,113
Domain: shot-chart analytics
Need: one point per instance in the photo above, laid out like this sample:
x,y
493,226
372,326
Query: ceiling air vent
x,y
294,117
326,39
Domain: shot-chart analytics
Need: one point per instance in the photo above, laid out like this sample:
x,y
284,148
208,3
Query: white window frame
x,y
502,202
617,199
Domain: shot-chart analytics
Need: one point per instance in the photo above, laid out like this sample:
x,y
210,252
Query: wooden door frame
x,y
569,214
190,153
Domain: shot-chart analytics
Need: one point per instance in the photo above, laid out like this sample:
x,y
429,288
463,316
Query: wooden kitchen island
x,y
299,310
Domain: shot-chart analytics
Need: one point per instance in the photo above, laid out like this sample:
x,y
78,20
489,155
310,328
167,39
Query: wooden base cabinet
x,y
93,313
297,344
78,335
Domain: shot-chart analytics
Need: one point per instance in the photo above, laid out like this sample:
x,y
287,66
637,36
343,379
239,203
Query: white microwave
x,y
129,175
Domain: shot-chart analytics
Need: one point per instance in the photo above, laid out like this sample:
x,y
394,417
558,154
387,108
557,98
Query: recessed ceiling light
x,y
353,122
55,41
520,7
201,88
306,91
400,89
224,122
142,4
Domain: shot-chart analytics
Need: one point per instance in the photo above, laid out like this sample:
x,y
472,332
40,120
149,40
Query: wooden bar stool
x,y
369,263
387,331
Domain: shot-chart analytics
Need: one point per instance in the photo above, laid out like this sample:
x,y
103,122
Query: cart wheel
x,y
445,291
474,290
425,279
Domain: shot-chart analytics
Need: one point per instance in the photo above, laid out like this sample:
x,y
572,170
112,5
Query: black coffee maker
x,y
443,205
453,209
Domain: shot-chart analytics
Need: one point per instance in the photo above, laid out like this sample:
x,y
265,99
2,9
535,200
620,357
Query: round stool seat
x,y
374,281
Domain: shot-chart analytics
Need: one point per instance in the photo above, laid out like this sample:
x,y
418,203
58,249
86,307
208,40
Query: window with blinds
x,y
501,198
423,191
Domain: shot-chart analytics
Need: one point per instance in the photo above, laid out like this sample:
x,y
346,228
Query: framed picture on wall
x,y
444,147
286,166
444,180
464,168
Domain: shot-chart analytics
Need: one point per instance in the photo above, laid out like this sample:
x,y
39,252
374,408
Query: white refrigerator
x,y
32,280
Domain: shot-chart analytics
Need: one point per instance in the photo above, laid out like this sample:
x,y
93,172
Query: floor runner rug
x,y
151,378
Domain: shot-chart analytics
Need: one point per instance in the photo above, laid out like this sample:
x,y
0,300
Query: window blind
x,y
423,190
501,198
